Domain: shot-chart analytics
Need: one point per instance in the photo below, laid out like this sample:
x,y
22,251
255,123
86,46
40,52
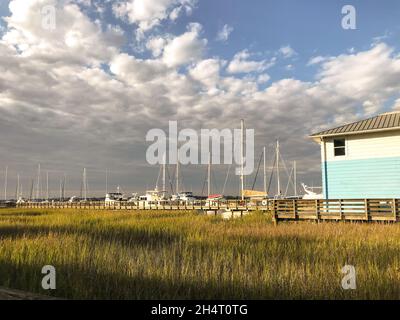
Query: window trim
x,y
341,147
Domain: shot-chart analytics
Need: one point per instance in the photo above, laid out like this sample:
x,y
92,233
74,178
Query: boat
x,y
73,199
134,198
310,194
114,197
184,197
20,200
152,198
213,199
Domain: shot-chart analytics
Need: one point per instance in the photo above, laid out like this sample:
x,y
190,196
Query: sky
x,y
81,88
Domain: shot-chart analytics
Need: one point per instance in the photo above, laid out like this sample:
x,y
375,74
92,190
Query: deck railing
x,y
348,209
297,209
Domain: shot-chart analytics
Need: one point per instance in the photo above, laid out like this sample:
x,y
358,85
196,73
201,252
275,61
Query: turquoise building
x,y
362,159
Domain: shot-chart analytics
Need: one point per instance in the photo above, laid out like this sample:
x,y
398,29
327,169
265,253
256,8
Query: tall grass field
x,y
180,255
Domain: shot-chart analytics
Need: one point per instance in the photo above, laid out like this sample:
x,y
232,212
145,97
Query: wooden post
x,y
340,210
394,207
275,213
317,209
294,209
366,209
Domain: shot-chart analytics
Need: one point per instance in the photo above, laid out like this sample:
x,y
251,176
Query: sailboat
x,y
156,196
310,194
84,190
181,197
212,199
18,193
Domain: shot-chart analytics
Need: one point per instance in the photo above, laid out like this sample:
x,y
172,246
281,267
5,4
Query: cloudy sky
x,y
85,93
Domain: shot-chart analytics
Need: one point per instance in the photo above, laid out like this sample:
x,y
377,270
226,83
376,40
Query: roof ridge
x,y
391,112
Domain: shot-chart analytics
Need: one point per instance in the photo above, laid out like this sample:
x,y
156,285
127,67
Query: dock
x,y
281,210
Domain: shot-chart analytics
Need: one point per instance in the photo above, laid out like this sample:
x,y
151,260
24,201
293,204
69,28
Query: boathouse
x,y
362,159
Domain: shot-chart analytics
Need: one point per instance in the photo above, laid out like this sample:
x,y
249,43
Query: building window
x,y
339,145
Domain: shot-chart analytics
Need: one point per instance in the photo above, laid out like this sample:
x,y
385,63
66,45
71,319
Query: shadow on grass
x,y
123,236
22,214
75,283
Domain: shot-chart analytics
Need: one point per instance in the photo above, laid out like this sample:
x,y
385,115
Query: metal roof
x,y
382,122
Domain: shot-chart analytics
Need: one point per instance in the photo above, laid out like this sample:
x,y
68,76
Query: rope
x,y
271,176
204,183
169,180
226,178
258,169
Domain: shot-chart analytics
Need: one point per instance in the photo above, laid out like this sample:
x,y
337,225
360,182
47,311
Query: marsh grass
x,y
176,255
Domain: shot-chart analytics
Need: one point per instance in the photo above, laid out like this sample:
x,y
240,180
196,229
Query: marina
x,y
339,149
367,210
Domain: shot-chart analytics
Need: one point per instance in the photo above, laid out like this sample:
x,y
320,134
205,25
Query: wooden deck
x,y
317,210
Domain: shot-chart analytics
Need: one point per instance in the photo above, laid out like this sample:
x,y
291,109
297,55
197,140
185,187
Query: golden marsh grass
x,y
180,255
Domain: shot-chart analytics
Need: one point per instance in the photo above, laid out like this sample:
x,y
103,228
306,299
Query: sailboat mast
x,y
31,191
61,183
106,181
242,158
265,170
38,183
177,176
17,188
164,177
209,175
63,186
84,184
277,169
5,184
295,178
47,185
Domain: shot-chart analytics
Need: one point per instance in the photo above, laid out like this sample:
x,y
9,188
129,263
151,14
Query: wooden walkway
x,y
318,210
12,294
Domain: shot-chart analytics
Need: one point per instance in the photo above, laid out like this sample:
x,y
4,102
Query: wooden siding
x,y
367,178
367,146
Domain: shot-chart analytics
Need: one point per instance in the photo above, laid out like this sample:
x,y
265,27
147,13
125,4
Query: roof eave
x,y
317,137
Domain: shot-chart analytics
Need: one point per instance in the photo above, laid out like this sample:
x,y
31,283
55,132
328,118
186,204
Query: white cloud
x,y
224,33
287,51
207,72
289,67
316,60
241,63
369,76
73,38
136,71
156,45
263,78
396,105
147,14
56,90
185,48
